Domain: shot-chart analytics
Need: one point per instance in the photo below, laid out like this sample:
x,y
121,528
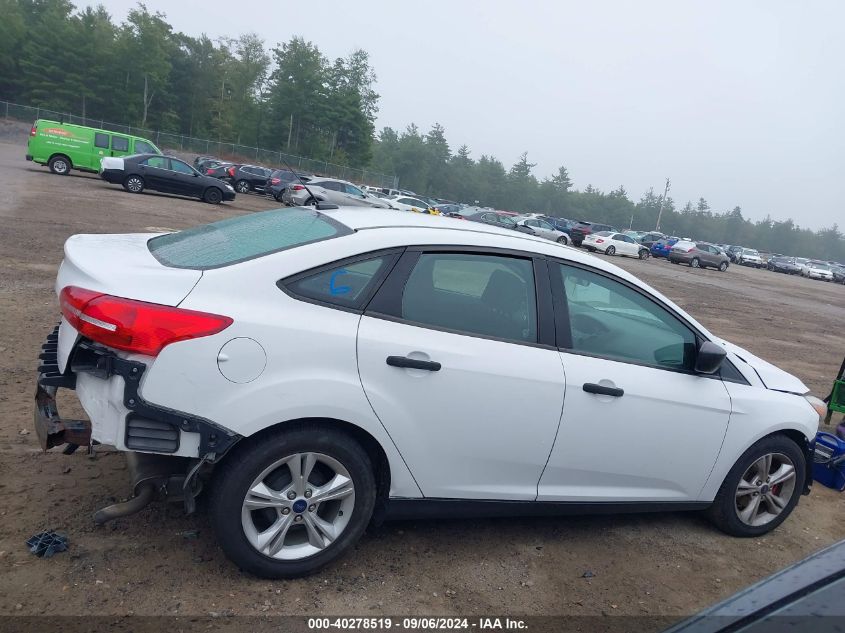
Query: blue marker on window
x,y
338,290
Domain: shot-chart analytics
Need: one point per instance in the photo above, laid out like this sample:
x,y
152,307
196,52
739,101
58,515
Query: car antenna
x,y
320,206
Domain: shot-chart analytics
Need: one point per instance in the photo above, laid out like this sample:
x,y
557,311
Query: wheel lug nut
x,y
308,493
297,518
285,510
291,495
312,507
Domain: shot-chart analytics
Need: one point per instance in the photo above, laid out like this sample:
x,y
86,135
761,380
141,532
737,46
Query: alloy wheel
x,y
298,506
765,489
134,185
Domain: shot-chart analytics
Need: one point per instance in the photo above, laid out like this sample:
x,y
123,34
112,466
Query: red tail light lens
x,y
275,181
297,188
208,172
599,241
231,171
33,130
134,326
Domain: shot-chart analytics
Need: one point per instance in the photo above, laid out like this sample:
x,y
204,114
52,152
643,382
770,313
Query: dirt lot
x,y
161,562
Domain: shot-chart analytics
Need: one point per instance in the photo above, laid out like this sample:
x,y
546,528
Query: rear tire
x,y
133,184
695,263
238,527
736,490
59,165
610,251
213,195
242,186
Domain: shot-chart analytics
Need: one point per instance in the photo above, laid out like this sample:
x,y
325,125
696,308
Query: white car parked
x,y
613,243
317,370
750,257
406,203
817,270
536,226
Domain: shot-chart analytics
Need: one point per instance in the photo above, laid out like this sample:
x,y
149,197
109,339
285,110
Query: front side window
x,y
352,190
348,285
182,168
101,140
485,295
610,319
120,143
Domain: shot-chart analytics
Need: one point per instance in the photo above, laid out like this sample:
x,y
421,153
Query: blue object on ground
x,y
45,544
829,461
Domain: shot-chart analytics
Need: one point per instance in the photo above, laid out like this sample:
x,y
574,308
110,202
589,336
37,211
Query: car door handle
x,y
591,387
412,363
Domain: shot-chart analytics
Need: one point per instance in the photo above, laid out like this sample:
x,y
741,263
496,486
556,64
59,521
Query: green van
x,y
64,146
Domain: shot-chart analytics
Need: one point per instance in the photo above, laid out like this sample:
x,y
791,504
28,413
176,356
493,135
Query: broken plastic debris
x,y
45,544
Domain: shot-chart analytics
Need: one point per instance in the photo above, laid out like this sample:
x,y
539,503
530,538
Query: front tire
x,y
293,502
611,251
562,240
723,266
133,184
213,195
695,263
242,186
59,165
761,489
644,254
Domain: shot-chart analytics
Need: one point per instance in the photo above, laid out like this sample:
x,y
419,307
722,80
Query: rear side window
x,y
101,140
120,144
347,285
160,162
245,237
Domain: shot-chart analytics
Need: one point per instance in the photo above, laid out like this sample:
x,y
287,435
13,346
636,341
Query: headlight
x,y
819,405
229,187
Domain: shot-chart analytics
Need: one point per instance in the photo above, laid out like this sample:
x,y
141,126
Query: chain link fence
x,y
205,147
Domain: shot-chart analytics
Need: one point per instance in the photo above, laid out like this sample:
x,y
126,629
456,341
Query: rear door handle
x,y
591,387
412,363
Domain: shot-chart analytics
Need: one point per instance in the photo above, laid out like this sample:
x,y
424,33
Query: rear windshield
x,y
245,237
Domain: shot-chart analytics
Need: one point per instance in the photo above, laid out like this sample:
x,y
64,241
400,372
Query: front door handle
x,y
412,363
591,387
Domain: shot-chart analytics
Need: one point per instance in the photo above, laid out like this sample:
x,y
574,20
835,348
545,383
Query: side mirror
x,y
709,358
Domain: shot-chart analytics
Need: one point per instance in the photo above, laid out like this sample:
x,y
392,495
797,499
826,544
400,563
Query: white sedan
x,y
309,370
612,243
817,270
406,203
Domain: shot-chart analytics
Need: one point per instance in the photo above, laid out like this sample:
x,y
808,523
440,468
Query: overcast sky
x,y
739,102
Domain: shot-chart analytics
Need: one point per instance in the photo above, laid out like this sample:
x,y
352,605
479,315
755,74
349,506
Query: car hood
x,y
772,377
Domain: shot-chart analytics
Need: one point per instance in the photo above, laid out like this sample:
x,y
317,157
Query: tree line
x,y
293,98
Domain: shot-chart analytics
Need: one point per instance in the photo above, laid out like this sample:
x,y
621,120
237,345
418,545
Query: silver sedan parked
x,y
541,228
330,190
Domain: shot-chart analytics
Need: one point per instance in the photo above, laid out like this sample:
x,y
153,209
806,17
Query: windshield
x,y
820,266
750,251
242,238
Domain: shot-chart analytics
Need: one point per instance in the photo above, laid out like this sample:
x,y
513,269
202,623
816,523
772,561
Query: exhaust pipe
x,y
143,496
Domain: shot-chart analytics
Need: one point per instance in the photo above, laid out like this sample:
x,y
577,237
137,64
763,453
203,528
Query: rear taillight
x,y
134,326
599,241
297,188
208,172
231,172
33,130
275,181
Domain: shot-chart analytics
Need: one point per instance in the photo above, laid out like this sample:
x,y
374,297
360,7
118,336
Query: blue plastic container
x,y
829,461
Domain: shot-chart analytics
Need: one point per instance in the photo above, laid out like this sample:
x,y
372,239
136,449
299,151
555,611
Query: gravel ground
x,y
160,562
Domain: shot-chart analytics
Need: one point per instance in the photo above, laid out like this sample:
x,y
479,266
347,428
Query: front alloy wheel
x,y
242,186
761,489
765,489
291,501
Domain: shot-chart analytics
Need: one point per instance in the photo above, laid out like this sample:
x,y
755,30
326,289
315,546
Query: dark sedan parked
x,y
165,174
248,178
279,180
583,228
496,218
783,264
